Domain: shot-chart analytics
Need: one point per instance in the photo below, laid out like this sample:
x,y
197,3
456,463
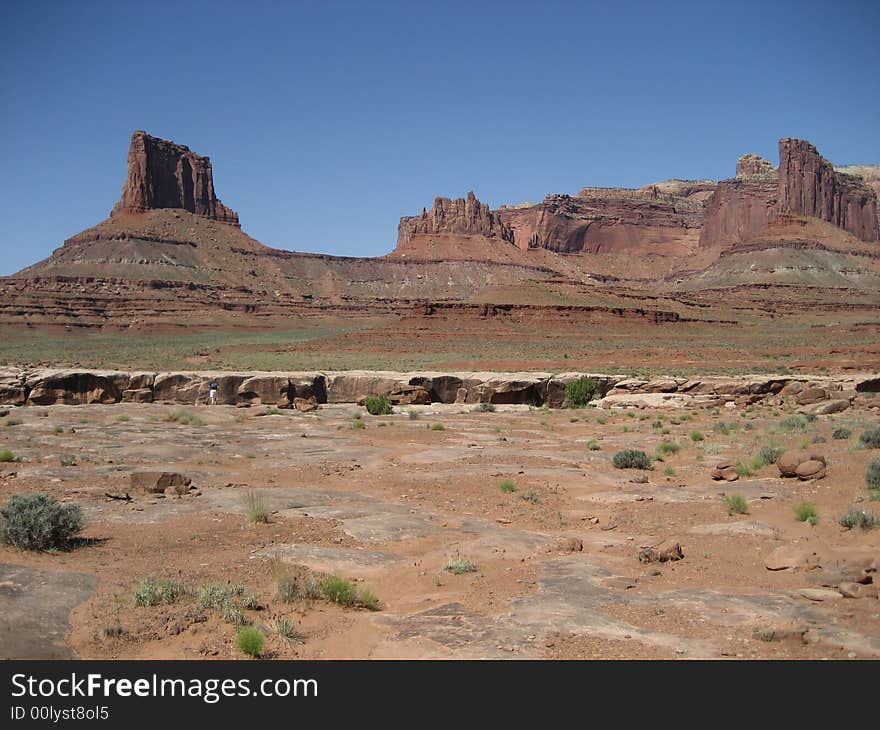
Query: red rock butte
x,y
162,174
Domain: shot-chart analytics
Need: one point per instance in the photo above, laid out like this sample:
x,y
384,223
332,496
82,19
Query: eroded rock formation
x,y
462,216
162,174
809,185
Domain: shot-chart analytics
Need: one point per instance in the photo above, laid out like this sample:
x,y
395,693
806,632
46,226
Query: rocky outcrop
x,y
162,174
809,185
462,216
73,387
752,165
610,220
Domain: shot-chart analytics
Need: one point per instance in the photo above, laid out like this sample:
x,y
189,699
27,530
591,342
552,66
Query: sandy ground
x,y
388,504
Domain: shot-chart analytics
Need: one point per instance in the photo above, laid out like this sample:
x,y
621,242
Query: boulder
x,y
305,405
75,387
788,557
156,482
811,469
837,405
139,395
809,396
789,461
176,387
409,395
662,553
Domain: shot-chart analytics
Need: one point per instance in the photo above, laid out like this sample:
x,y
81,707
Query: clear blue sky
x,y
327,121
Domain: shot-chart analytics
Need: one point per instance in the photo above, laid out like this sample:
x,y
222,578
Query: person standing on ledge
x,y
212,393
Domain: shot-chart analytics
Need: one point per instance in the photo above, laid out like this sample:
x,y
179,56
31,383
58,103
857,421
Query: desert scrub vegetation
x,y
531,496
293,585
508,486
860,518
667,447
185,417
345,593
806,512
485,408
724,428
872,478
580,392
12,421
286,629
6,455
256,509
438,427
736,504
697,436
593,445
378,405
631,459
250,640
870,439
767,454
459,564
413,415
150,591
841,434
229,600
39,522
793,423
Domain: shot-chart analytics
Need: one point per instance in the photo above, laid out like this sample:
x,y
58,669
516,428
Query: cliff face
x,y
162,174
809,185
741,207
607,220
462,216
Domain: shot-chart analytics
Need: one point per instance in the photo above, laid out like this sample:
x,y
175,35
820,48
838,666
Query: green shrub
x,y
870,439
151,591
792,423
255,508
697,436
346,593
768,454
291,587
58,429
736,504
185,417
721,427
6,455
250,640
872,475
841,434
228,600
631,459
668,447
286,629
859,518
745,468
669,471
39,522
485,408
438,427
507,486
580,392
593,445
806,512
458,564
378,405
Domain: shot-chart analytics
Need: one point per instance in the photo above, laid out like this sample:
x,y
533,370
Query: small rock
x,y
819,594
